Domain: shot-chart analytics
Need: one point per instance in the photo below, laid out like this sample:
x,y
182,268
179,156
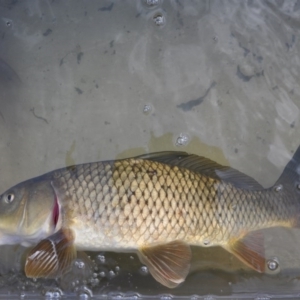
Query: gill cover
x,y
26,212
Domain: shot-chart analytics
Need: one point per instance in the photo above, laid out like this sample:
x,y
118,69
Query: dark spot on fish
x,y
79,57
47,32
78,90
106,123
150,211
292,124
236,150
111,44
129,199
114,52
275,87
106,8
97,86
146,202
127,218
138,202
192,103
143,193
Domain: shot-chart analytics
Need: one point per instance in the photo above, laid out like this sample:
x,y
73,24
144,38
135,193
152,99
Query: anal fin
x,y
250,250
168,263
51,257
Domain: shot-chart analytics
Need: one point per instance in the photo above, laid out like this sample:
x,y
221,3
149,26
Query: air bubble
x,y
159,19
111,274
79,264
85,293
102,274
182,140
101,258
144,270
152,2
131,257
278,188
55,293
206,242
147,109
209,298
117,268
273,264
83,296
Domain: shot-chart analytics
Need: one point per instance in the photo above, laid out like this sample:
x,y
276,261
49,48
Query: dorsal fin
x,y
204,166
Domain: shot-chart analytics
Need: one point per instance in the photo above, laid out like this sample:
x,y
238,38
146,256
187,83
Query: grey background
x,y
222,76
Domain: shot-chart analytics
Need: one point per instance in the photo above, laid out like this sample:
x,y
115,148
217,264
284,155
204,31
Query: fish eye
x,y
9,198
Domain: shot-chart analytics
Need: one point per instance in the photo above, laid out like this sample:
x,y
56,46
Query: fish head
x,y
28,212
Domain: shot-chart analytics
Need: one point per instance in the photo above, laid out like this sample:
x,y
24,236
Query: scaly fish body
x,y
155,204
131,203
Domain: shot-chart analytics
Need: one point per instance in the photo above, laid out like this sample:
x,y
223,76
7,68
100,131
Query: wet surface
x,y
86,81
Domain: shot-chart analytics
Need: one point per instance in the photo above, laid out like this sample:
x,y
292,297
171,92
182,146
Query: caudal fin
x,y
291,173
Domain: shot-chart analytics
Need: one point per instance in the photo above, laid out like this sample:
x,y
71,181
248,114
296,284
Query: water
x,y
85,81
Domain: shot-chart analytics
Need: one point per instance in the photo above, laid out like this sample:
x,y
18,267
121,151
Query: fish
x,y
157,205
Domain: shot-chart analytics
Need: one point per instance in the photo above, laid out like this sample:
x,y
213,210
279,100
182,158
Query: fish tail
x,y
291,173
289,182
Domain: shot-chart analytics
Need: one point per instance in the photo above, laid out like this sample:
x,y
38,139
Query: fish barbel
x,y
156,205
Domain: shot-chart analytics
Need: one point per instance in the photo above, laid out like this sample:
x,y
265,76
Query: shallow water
x,y
83,81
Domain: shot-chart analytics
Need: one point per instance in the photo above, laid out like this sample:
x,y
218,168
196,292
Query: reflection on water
x,y
86,80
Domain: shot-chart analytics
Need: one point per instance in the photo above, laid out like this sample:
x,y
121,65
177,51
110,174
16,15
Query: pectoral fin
x,y
52,256
169,263
250,250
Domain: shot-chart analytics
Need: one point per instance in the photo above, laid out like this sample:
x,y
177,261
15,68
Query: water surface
x,y
82,81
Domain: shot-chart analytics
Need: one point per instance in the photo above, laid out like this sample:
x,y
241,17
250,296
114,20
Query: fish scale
x,y
152,202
